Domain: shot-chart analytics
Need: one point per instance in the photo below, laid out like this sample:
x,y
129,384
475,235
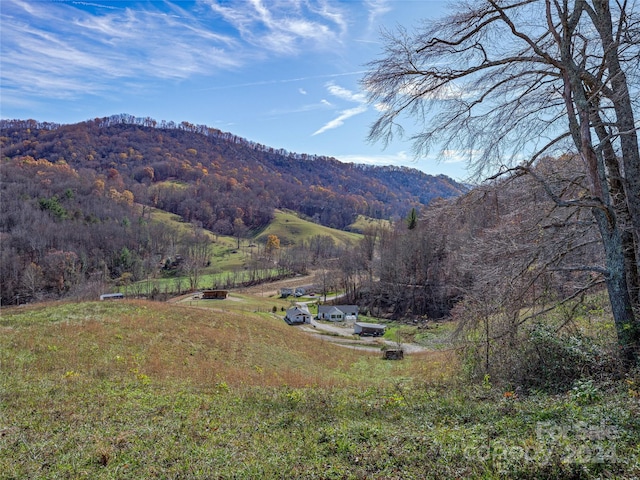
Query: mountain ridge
x,y
146,154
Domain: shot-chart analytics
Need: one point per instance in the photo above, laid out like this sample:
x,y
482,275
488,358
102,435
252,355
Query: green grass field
x,y
362,224
227,260
225,389
291,230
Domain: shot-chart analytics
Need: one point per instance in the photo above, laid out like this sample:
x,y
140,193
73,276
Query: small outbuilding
x,y
394,354
298,315
111,296
214,294
369,329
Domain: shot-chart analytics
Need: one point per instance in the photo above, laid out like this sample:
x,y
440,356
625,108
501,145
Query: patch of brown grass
x,y
155,342
433,367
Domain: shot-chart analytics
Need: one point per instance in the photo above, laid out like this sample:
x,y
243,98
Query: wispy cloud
x,y
58,51
376,9
349,96
459,156
283,27
340,119
67,49
345,94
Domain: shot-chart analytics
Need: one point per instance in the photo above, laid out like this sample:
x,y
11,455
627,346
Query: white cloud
x,y
302,91
339,120
377,8
55,50
283,27
346,94
382,107
343,94
458,156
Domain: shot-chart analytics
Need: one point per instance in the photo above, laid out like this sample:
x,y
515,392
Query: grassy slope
x,y
363,224
288,226
142,390
225,257
292,230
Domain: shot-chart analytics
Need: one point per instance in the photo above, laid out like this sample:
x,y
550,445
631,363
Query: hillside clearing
x,y
133,389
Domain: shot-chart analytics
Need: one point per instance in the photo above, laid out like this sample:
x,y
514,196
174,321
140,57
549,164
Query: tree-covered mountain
x,y
216,178
71,196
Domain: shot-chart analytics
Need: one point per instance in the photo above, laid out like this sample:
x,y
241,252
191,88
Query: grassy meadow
x,y
136,389
229,264
362,224
291,230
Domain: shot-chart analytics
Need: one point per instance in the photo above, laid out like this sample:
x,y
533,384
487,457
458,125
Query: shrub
x,y
539,358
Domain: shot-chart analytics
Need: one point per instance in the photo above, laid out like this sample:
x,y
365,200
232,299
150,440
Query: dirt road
x,y
343,335
273,289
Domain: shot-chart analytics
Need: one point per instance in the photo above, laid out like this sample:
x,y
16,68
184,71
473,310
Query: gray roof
x,y
327,308
299,308
371,325
342,308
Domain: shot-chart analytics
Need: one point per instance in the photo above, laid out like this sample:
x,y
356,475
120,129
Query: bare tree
x,y
196,254
239,230
507,82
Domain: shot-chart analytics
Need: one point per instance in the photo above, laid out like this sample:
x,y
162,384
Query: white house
x,y
337,313
298,315
331,313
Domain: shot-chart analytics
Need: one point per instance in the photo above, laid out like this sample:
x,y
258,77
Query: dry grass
x,y
203,348
136,389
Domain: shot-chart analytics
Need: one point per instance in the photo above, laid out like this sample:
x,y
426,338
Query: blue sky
x,y
284,73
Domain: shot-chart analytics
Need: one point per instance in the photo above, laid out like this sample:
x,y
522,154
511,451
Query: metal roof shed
x,y
369,329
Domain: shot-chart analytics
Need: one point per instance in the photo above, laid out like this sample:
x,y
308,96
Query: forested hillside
x,y
504,243
76,198
63,229
217,178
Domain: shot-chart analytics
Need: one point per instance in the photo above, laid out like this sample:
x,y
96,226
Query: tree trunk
x,y
580,108
627,327
621,206
625,123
